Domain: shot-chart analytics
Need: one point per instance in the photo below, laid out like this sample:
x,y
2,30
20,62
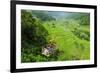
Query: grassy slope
x,y
73,47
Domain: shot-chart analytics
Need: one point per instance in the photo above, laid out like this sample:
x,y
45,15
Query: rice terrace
x,y
54,36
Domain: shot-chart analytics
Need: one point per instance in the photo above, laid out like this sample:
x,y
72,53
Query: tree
x,y
31,29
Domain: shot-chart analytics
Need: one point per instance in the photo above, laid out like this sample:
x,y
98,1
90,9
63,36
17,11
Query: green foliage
x,y
82,18
43,16
32,31
82,33
72,36
33,37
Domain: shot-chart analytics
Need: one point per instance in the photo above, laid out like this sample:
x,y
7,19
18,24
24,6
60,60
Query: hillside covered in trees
x,y
54,36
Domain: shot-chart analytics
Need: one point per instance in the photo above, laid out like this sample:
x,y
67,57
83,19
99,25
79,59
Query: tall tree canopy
x,y
32,30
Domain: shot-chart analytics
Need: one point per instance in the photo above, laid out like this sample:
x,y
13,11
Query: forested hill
x,y
82,18
49,15
69,32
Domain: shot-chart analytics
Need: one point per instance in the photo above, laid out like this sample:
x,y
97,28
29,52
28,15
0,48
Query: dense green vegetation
x,y
70,32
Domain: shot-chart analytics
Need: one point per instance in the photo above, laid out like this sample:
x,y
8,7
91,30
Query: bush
x,y
82,34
